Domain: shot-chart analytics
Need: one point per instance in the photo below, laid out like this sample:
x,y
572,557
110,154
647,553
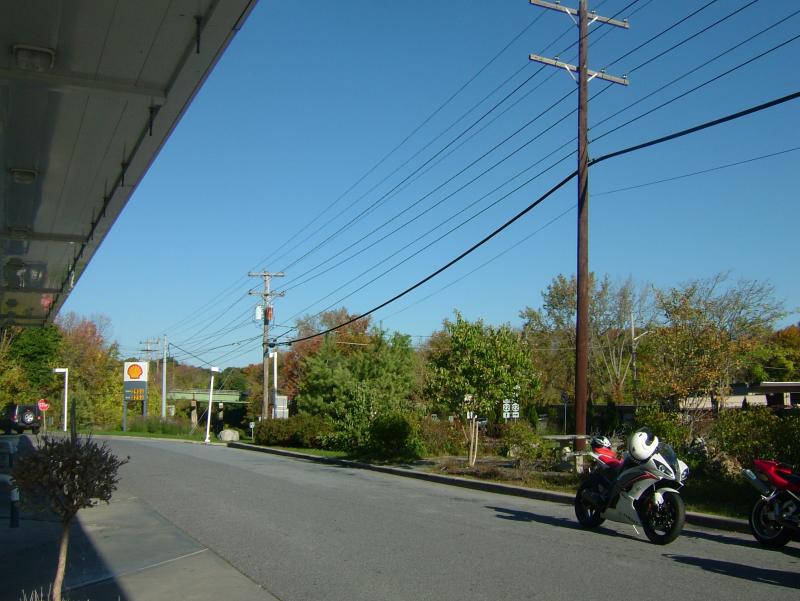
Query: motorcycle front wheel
x,y
663,523
588,515
765,529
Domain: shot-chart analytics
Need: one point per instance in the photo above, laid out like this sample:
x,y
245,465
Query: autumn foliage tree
x,y
95,369
708,329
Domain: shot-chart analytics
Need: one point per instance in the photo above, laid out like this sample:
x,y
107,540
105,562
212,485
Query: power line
x,y
386,195
363,249
472,204
547,194
209,304
694,173
571,208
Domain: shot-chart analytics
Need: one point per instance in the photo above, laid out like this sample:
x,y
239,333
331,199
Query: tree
x,y
36,351
550,333
479,368
705,335
13,378
351,384
66,475
94,368
777,359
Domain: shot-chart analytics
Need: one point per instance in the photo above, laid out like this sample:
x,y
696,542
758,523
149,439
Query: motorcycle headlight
x,y
664,469
684,473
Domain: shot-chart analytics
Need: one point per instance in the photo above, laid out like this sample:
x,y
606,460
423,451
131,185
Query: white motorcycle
x,y
641,488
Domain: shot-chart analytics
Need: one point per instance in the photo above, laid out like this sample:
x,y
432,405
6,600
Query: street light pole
x,y
214,370
65,371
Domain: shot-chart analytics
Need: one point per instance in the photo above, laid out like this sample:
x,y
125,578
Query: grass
x,y
315,452
196,436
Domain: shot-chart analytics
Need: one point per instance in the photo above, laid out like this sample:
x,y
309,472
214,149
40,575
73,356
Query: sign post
x,y
134,384
43,407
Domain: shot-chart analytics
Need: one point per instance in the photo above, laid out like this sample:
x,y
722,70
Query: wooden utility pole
x,y
267,296
585,75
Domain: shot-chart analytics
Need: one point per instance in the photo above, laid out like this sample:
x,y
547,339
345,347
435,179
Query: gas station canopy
x,y
89,92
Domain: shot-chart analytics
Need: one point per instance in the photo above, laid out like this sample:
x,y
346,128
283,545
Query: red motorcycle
x,y
775,517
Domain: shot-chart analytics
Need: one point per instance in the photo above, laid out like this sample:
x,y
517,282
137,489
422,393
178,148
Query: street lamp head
x,y
215,370
60,370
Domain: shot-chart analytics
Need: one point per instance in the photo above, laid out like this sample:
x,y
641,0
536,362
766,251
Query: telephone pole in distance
x,y
266,295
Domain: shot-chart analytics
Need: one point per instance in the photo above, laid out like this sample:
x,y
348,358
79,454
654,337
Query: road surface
x,y
305,531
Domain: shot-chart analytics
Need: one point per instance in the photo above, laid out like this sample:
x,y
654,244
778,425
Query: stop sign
x,y
43,405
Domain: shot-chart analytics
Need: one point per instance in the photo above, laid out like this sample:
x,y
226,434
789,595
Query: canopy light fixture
x,y
24,176
34,58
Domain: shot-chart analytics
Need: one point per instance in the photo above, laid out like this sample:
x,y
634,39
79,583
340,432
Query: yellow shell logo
x,y
135,371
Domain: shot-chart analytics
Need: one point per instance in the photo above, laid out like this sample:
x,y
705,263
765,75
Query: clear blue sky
x,y
311,95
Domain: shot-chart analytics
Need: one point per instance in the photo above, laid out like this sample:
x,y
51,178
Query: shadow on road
x,y
730,540
738,570
516,515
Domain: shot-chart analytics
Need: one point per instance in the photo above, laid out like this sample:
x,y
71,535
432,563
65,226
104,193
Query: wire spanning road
x,y
305,531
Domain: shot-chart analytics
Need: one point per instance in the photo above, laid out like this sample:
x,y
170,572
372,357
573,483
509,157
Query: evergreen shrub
x,y
394,435
302,430
758,433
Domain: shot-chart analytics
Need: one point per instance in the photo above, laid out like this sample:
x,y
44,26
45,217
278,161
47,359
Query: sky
x,y
358,146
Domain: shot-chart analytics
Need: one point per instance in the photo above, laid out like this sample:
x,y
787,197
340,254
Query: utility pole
x,y
266,296
585,75
164,380
150,347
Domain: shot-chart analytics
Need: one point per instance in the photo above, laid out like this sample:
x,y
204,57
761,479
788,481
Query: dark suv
x,y
20,418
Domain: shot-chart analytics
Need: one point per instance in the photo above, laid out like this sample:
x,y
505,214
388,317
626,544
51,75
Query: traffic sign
x,y
43,405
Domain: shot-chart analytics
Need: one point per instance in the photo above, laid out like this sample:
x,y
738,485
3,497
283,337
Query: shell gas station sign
x,y
135,383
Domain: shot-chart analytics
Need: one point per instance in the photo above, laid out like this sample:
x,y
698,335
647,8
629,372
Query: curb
x,y
696,519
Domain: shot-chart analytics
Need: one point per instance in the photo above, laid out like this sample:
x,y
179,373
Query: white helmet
x,y
600,441
642,444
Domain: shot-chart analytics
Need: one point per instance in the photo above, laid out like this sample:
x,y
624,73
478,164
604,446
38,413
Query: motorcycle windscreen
x,y
668,453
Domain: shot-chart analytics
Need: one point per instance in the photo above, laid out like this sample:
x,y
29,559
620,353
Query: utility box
x,y
281,407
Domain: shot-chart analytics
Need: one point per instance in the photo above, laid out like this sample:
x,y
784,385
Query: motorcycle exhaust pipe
x,y
762,487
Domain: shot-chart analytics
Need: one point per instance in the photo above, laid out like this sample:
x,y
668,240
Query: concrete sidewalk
x,y
123,551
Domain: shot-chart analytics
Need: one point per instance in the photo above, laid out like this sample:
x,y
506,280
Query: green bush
x,y
670,426
301,430
155,425
394,435
758,433
521,441
272,432
441,437
308,431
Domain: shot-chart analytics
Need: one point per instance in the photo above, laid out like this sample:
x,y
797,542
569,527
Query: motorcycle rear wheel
x,y
588,516
766,530
663,523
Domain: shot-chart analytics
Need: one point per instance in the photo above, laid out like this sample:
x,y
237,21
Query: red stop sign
x,y
43,405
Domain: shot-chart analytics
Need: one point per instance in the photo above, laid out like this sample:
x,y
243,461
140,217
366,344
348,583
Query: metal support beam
x,y
36,290
554,62
574,13
76,82
26,234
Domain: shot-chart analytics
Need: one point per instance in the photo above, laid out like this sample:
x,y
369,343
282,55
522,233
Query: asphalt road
x,y
306,531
